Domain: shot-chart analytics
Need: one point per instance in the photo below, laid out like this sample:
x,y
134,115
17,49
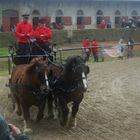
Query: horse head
x,y
40,63
77,70
39,68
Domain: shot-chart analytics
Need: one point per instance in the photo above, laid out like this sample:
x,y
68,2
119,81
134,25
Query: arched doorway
x,y
35,15
10,18
99,17
59,17
134,14
117,19
80,19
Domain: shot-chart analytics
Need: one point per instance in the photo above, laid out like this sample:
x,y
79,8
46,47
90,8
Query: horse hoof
x,y
28,131
55,117
72,124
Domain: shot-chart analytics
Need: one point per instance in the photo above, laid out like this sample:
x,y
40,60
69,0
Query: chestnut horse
x,y
68,83
26,88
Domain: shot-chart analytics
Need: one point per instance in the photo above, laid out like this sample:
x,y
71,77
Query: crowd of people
x,y
92,47
130,23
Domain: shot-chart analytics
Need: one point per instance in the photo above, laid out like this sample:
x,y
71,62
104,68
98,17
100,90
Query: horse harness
x,y
39,94
56,83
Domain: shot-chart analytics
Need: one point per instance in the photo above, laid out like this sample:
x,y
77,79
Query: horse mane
x,y
31,67
73,60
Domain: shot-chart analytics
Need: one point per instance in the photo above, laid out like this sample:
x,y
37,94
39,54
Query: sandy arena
x,y
110,109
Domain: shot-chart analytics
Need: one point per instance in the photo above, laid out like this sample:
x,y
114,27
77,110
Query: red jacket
x,y
43,34
23,31
96,49
102,25
86,44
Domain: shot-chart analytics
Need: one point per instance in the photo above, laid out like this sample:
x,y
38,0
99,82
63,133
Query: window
x,y
59,17
117,18
80,17
100,17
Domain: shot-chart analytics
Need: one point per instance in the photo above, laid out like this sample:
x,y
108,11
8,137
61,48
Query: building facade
x,y
69,14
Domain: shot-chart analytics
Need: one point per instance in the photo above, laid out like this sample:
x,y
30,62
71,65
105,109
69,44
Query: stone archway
x,y
99,17
59,17
134,14
80,17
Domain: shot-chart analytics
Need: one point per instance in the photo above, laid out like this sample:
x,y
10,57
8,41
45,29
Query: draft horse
x,y
26,84
68,83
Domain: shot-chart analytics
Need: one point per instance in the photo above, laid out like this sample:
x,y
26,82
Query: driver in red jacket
x,y
43,37
24,32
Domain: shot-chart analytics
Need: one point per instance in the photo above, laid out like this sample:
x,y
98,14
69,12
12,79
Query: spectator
x,y
123,24
95,50
109,25
121,48
86,50
13,29
10,132
138,23
102,24
130,45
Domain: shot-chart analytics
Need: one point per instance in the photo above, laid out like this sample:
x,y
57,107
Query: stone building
x,y
69,14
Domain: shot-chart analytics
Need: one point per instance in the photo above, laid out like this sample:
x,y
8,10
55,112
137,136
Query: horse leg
x,y
50,106
63,112
17,107
72,121
26,116
56,104
40,111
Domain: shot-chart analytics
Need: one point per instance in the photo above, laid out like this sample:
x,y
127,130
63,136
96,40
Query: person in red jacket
x,y
24,32
86,50
43,37
95,50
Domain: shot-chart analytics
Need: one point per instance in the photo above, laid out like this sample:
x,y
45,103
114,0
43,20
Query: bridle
x,y
75,70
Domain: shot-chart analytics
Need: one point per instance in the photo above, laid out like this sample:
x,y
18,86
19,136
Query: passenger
x,y
43,37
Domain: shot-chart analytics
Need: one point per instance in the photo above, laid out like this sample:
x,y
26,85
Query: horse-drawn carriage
x,y
41,79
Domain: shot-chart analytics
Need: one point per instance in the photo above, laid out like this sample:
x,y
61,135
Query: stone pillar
x,y
112,20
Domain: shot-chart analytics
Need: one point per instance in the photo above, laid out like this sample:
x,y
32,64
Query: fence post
x,y
9,65
60,55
